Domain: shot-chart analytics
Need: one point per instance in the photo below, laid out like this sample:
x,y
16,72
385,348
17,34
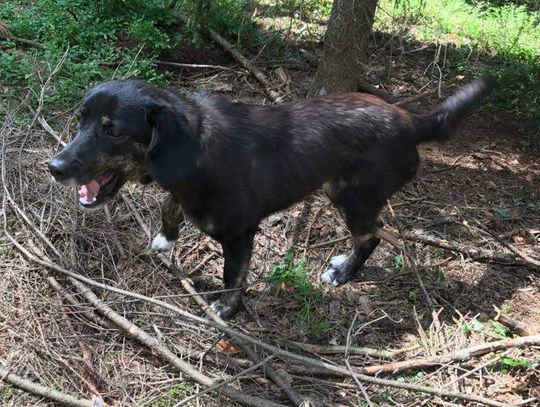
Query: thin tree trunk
x,y
345,47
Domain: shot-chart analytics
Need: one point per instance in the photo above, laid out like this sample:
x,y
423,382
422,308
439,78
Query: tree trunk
x,y
345,47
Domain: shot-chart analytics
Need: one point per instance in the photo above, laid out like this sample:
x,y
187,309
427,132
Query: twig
x,y
329,242
224,382
155,346
431,92
199,66
6,33
42,391
518,327
73,302
341,349
296,398
517,252
474,252
242,60
410,258
460,355
338,370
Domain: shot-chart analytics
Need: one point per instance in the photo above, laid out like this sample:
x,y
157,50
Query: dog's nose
x,y
57,167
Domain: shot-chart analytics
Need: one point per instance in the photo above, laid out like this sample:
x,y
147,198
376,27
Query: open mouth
x,y
98,190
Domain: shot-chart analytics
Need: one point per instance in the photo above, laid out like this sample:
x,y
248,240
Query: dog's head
x,y
127,130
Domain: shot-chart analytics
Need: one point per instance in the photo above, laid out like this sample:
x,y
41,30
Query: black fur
x,y
227,165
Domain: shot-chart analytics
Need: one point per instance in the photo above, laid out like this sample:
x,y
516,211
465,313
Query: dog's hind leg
x,y
360,208
171,216
237,254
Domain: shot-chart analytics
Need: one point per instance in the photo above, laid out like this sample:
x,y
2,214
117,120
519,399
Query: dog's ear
x,y
173,149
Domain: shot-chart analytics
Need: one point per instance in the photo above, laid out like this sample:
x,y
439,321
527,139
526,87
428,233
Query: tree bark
x,y
345,47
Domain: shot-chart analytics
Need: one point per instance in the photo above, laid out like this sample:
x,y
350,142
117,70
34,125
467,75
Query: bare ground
x,y
485,180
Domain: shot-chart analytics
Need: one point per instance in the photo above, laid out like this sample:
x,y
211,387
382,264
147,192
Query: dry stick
x,y
242,60
341,349
224,382
42,391
140,335
473,252
410,257
518,327
517,252
6,33
431,92
338,370
154,345
199,66
296,398
71,300
458,356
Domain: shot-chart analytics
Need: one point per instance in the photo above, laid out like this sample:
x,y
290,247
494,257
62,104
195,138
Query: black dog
x,y
227,165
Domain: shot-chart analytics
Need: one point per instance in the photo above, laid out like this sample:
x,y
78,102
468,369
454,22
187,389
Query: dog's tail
x,y
438,124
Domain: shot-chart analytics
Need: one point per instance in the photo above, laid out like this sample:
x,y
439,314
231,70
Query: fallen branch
x,y
338,370
296,398
431,92
516,326
473,252
43,391
6,33
133,330
458,356
242,60
164,352
525,257
198,66
224,382
341,349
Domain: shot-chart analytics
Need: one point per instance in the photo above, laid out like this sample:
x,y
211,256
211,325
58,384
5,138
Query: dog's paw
x,y
160,242
337,273
223,309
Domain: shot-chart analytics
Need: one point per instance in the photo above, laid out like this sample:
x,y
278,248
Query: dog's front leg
x,y
237,254
171,216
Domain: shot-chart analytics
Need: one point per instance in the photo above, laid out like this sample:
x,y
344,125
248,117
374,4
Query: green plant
x,y
170,398
7,394
505,362
413,295
506,308
499,329
95,41
473,326
398,263
292,275
506,34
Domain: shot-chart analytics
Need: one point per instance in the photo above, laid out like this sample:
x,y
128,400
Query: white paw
x,y
160,242
337,261
330,275
216,307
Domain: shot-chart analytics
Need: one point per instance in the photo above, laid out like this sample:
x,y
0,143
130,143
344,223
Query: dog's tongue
x,y
88,192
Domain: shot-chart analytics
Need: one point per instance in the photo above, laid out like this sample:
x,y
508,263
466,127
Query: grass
x,y
101,40
291,276
507,36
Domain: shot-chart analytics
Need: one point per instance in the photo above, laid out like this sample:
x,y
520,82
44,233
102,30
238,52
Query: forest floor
x,y
485,181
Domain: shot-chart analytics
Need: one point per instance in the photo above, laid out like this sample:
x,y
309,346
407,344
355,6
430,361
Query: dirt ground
x,y
483,182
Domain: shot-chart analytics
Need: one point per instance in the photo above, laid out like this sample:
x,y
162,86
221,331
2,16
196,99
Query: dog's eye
x,y
114,132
